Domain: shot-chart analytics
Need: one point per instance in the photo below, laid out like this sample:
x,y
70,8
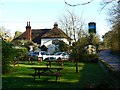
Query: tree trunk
x,y
76,65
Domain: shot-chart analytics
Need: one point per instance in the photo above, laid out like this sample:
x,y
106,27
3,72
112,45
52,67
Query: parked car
x,y
36,54
62,55
49,58
45,56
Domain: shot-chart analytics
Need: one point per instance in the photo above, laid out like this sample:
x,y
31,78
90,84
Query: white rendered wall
x,y
48,41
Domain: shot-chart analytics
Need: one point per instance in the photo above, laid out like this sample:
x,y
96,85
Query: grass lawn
x,y
89,73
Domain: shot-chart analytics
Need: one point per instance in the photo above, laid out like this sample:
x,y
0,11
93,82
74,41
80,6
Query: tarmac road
x,y
112,60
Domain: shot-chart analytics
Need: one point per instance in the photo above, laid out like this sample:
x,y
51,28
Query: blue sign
x,y
92,27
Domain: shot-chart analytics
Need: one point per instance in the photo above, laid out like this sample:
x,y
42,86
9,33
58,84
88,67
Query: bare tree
x,y
107,2
65,25
72,25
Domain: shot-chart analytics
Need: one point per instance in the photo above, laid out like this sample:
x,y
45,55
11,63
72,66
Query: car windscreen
x,y
43,53
58,53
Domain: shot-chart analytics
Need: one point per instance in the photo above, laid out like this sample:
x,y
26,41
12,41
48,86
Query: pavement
x,y
112,60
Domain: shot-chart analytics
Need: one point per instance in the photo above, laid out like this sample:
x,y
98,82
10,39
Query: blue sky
x,y
43,13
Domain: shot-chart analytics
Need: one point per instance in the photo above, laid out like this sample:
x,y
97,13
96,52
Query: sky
x,y
14,14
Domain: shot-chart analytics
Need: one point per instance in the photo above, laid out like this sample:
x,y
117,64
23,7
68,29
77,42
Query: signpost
x,y
92,27
91,31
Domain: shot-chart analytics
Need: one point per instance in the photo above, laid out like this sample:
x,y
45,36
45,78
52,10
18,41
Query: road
x,y
112,60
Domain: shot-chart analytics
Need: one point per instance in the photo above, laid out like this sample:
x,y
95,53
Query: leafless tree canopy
x,y
72,25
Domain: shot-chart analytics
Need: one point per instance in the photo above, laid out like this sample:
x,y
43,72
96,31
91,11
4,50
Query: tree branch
x,y
73,5
105,4
119,1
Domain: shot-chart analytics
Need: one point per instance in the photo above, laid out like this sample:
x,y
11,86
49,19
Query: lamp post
x,y
92,27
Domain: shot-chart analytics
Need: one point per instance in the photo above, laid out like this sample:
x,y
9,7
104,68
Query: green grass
x,y
89,73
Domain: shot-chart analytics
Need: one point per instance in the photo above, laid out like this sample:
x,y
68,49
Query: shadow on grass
x,y
88,74
26,83
95,77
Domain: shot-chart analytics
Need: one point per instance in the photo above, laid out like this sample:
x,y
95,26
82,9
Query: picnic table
x,y
45,71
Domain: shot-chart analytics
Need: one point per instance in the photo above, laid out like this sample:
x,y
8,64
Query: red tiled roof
x,y
44,33
35,33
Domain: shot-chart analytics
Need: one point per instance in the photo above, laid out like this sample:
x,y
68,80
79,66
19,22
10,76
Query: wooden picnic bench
x,y
45,71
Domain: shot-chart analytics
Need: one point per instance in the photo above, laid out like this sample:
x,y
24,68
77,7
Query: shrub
x,y
8,55
89,58
83,57
21,53
43,48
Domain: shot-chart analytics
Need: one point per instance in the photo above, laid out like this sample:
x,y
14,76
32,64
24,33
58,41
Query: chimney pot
x,y
55,25
29,23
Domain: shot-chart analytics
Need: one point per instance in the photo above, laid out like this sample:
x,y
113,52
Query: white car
x,y
62,55
37,54
45,56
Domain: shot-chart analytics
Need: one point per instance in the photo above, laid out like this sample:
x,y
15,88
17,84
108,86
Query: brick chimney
x,y
28,31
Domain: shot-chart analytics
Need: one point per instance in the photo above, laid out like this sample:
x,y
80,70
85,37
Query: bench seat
x,y
47,74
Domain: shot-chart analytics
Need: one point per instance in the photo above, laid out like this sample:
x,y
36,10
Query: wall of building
x,y
48,41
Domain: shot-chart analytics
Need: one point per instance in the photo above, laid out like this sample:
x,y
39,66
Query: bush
x,y
82,57
93,58
8,55
21,53
89,58
76,56
115,52
44,48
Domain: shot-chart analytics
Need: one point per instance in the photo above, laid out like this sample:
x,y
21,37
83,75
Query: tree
x,y
107,40
44,48
62,46
5,34
111,38
77,50
72,25
115,29
8,54
107,2
2,31
17,33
